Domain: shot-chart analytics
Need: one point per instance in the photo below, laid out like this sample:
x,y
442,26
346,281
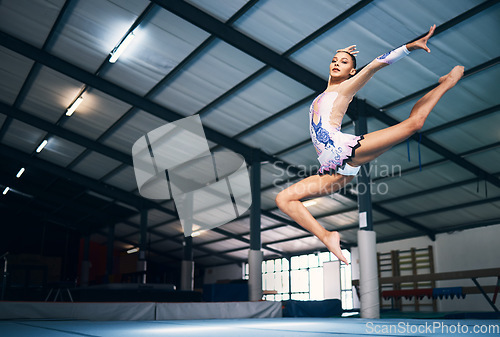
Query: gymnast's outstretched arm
x,y
350,87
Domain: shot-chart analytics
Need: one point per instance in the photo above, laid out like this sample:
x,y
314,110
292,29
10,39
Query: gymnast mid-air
x,y
341,155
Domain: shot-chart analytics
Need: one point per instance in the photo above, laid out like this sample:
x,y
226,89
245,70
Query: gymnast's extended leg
x,y
377,142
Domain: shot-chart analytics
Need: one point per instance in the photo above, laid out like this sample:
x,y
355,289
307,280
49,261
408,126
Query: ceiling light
x,y
309,203
40,148
133,250
6,190
115,54
195,234
73,106
20,173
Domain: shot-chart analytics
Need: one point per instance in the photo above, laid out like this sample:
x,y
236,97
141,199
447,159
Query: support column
x,y
187,268
85,272
142,264
255,255
368,280
109,255
289,258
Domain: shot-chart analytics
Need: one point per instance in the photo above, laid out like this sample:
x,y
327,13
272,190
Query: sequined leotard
x,y
333,147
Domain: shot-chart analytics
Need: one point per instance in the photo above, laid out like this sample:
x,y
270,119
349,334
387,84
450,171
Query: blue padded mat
x,y
252,327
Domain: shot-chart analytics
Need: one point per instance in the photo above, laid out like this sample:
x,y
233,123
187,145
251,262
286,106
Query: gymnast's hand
x,y
350,50
422,42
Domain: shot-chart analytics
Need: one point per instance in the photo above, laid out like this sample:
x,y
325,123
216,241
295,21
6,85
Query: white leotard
x,y
333,147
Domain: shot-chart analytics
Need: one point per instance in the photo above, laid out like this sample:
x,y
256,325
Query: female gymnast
x,y
341,155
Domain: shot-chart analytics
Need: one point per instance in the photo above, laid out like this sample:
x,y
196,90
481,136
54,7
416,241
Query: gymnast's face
x,y
342,66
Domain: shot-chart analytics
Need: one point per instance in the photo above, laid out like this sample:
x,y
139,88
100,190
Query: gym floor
x,y
251,327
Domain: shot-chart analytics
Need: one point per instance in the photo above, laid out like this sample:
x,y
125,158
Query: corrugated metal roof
x,y
219,59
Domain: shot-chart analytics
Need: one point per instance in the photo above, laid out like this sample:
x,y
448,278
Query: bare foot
x,y
332,242
453,76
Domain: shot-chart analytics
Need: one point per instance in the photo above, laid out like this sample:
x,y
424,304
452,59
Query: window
x,y
305,274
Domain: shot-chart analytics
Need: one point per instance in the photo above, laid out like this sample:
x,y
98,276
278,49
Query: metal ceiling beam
x,y
179,242
241,239
171,74
242,42
464,16
376,207
35,68
457,159
99,187
281,62
131,112
228,235
462,120
50,201
255,49
454,207
155,251
59,131
120,93
418,94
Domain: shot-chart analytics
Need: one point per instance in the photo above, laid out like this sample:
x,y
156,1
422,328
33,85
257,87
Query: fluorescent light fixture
x,y
133,250
195,234
309,203
40,148
20,173
115,54
73,106
6,190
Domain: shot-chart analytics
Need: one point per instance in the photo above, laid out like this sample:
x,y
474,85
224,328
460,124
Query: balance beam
x,y
456,275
